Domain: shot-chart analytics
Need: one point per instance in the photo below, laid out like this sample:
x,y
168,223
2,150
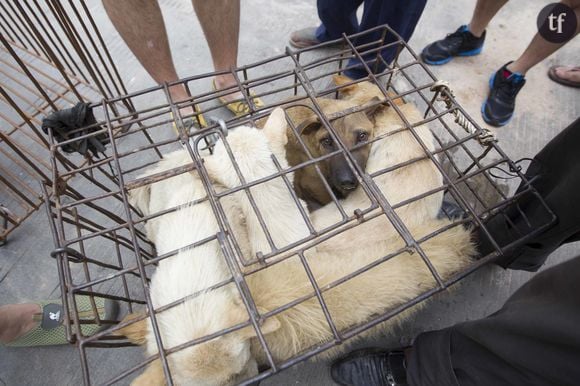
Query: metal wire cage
x,y
52,56
103,249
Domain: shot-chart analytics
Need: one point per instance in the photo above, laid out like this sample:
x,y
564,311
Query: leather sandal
x,y
566,82
239,106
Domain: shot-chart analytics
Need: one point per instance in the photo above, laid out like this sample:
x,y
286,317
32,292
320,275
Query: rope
x,y
445,94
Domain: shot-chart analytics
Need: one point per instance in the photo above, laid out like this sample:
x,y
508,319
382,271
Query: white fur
x,y
194,269
304,325
272,198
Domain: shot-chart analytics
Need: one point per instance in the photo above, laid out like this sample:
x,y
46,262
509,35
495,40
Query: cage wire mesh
x,y
108,245
52,57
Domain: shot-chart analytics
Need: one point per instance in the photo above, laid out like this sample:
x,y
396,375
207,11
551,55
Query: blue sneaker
x,y
460,43
504,86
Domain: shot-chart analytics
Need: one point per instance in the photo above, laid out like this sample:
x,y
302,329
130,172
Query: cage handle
x,y
445,94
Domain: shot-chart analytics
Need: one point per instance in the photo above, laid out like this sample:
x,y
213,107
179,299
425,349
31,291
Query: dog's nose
x,y
349,184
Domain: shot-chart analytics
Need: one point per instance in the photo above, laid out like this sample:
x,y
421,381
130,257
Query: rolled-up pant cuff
x,y
430,361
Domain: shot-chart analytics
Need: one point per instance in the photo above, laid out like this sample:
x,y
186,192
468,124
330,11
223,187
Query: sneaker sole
x,y
303,45
473,52
493,122
488,120
312,43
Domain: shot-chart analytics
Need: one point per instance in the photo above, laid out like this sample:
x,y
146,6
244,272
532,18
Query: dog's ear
x,y
309,125
275,127
152,376
343,82
372,107
136,332
270,325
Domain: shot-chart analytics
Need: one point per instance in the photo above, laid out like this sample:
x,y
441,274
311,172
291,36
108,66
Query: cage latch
x,y
211,139
445,94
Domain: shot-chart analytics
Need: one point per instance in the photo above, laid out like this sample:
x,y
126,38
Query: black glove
x,y
64,121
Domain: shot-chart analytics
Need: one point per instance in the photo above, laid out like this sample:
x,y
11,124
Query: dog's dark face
x,y
354,131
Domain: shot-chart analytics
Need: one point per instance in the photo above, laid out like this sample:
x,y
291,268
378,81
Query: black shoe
x,y
460,43
370,367
450,210
504,86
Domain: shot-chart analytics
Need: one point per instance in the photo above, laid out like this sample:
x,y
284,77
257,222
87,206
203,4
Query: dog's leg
x,y
152,376
136,332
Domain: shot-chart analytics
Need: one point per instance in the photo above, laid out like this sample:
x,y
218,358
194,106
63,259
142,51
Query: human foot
x,y
459,43
500,104
234,101
16,320
228,82
566,75
304,37
372,367
179,94
43,324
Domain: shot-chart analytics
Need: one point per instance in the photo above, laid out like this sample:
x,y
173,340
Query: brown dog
x,y
353,129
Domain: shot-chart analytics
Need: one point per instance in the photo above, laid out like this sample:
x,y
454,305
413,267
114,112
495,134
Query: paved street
x,y
544,109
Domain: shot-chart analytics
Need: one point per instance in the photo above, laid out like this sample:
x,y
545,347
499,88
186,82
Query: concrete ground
x,y
544,109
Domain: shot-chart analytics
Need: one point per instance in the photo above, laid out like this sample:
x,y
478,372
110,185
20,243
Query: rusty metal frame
x,y
52,56
86,222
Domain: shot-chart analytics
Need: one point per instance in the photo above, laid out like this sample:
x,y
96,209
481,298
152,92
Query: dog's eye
x,y
326,141
362,136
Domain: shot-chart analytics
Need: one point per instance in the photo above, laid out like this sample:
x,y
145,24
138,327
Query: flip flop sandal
x,y
51,329
197,122
552,74
239,107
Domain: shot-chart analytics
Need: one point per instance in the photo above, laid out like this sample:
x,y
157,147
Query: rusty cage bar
x,y
102,245
52,57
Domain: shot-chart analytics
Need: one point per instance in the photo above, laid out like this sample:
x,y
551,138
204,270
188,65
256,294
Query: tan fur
x,y
385,286
348,87
391,283
136,332
152,376
353,302
396,186
307,182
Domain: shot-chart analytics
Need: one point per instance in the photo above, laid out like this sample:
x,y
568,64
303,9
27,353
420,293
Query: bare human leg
x,y
539,48
484,11
220,21
140,24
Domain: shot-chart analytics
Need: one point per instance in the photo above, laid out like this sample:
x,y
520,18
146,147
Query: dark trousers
x,y
339,16
533,340
555,174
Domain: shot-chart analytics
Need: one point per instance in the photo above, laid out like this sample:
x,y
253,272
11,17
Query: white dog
x,y
385,285
196,268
